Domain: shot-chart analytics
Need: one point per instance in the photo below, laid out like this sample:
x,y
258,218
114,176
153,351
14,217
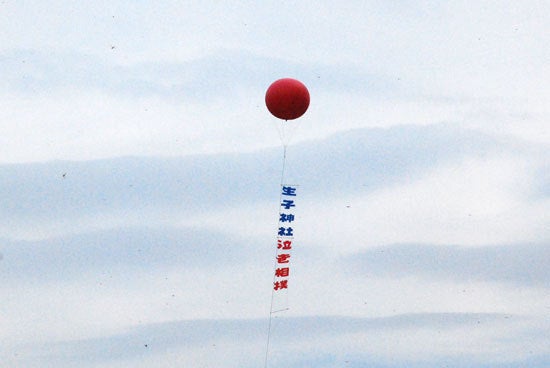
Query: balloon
x,y
287,98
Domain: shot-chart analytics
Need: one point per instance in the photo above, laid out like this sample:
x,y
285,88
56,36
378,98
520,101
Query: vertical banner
x,y
285,243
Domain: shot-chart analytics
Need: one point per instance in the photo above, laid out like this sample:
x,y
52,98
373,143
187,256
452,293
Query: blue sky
x,y
140,170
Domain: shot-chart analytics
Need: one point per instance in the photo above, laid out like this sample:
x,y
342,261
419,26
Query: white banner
x,y
285,243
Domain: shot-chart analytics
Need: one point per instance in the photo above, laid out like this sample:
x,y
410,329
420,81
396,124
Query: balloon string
x,y
272,289
284,165
268,333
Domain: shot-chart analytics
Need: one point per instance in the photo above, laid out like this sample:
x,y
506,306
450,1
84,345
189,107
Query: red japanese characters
x,y
285,237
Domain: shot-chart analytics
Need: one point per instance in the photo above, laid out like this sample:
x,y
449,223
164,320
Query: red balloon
x,y
287,98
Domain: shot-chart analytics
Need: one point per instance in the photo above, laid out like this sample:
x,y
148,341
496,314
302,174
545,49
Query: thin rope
x,y
283,170
271,312
268,336
280,130
289,131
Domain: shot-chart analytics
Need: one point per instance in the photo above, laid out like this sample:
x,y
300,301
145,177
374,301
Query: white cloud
x,y
427,339
112,79
473,202
85,126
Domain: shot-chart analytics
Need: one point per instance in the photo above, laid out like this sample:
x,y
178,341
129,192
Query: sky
x,y
140,184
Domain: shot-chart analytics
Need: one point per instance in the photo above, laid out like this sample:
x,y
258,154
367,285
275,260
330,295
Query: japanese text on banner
x,y
285,237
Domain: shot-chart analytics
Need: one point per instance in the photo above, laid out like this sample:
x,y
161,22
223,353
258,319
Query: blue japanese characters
x,y
285,237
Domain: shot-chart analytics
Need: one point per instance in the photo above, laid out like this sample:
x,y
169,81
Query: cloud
x,y
477,200
72,105
61,192
419,36
122,250
422,237
299,341
520,264
127,189
221,74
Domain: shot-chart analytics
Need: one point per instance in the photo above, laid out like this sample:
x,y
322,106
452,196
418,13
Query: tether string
x,y
272,289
